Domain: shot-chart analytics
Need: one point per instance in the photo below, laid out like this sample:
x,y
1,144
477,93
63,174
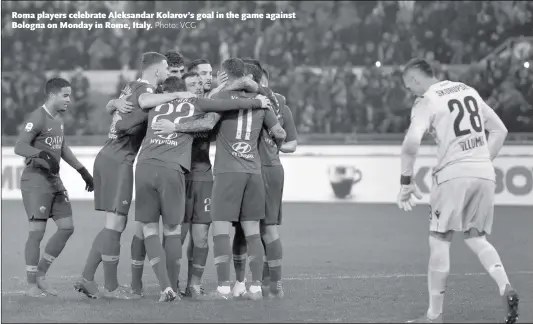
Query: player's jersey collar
x,y
434,85
48,112
143,81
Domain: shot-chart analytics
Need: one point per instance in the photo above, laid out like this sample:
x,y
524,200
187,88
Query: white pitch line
x,y
311,278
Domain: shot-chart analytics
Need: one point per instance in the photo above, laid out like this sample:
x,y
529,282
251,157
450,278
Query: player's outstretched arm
x,y
291,141
72,160
150,100
203,124
130,123
496,128
220,105
119,104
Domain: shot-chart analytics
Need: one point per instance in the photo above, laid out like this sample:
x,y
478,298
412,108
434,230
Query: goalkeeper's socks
x,y
94,258
221,252
110,257
256,254
173,254
138,254
53,249
274,255
158,260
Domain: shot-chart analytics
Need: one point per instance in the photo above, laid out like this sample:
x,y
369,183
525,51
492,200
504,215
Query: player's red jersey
x,y
124,145
175,150
45,133
237,136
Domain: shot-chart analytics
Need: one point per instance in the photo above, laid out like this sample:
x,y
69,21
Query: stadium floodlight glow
x,y
526,65
378,63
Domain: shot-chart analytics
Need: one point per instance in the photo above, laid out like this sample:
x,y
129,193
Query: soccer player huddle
x,y
167,120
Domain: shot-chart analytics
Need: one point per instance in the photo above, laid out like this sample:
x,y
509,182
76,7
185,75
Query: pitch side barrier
x,y
328,173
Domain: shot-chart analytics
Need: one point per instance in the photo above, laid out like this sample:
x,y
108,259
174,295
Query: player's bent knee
x,y
116,222
36,236
65,223
269,233
150,229
171,230
37,225
200,235
221,228
447,236
478,244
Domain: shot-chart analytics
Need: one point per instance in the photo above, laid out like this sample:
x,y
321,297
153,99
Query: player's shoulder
x,y
280,98
140,86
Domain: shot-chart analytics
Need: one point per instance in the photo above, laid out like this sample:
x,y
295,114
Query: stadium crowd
x,y
327,99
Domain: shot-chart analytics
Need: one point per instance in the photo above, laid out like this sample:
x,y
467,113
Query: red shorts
x,y
113,185
159,191
42,205
198,205
238,197
273,177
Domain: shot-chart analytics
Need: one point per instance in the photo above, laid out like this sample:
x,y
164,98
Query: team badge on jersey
x,y
29,127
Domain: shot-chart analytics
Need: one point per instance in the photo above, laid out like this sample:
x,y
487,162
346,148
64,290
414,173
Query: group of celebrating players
x,y
167,120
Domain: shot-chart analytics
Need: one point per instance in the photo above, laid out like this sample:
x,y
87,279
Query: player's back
x,y
457,122
237,135
122,146
174,150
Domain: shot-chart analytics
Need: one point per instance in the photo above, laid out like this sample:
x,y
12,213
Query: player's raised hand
x,y
405,196
265,102
164,126
222,77
123,105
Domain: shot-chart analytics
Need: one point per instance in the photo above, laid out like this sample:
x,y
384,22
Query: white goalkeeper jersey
x,y
456,116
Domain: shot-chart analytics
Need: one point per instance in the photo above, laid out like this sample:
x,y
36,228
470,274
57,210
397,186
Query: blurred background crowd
x,y
337,63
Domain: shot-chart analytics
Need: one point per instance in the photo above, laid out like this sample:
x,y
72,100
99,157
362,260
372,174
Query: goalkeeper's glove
x,y
47,162
88,178
407,191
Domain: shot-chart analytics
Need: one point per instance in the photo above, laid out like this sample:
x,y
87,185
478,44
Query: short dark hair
x,y
421,65
173,84
253,61
256,72
150,58
174,59
234,67
189,74
54,85
197,62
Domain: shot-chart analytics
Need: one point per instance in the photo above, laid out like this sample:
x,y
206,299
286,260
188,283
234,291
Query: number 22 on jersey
x,y
171,110
472,110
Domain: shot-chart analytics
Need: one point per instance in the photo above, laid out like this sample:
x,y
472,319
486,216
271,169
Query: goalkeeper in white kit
x,y
462,195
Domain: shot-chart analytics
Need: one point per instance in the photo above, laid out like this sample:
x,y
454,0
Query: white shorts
x,y
461,204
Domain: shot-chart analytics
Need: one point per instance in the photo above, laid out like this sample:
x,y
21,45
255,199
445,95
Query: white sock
x,y
224,289
254,289
490,259
438,270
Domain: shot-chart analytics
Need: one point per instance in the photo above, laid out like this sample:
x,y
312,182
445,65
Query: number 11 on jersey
x,y
245,116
